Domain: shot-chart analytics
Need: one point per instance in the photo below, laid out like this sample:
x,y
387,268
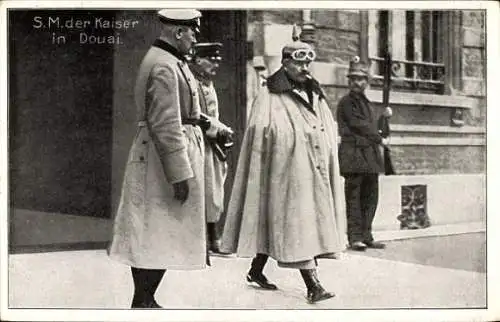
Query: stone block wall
x,y
473,52
421,159
339,35
474,61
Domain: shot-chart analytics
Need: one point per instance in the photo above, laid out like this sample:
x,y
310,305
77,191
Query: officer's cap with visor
x,y
208,50
181,17
298,50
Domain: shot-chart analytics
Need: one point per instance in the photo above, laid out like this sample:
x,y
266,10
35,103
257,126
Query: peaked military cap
x,y
358,68
183,17
210,50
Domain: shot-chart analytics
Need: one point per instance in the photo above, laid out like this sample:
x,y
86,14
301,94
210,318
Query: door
x,y
60,112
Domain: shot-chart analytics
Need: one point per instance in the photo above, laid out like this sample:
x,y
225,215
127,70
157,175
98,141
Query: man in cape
x,y
205,59
287,200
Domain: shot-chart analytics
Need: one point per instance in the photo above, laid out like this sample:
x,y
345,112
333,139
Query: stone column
x,y
452,51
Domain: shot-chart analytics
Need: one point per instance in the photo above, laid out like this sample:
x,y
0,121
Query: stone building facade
x,y
72,115
438,124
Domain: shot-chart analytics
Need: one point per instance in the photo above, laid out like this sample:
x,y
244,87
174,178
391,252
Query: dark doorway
x,y
60,112
230,28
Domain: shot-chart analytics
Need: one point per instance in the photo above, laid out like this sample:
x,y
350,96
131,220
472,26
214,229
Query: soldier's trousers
x,y
361,194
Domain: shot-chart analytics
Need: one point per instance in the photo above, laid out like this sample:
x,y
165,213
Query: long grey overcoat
x,y
215,169
152,229
287,199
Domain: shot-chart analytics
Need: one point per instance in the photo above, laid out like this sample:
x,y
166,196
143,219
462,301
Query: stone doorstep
x,y
432,231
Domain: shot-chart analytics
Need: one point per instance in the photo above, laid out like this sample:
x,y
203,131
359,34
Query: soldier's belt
x,y
191,121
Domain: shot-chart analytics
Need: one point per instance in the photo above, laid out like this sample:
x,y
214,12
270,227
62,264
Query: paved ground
x,y
393,279
465,251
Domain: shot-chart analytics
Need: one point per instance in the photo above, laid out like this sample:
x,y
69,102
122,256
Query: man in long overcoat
x,y
204,64
360,157
160,221
285,201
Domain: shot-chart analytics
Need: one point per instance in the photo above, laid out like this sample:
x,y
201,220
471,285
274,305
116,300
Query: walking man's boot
x,y
315,292
214,241
146,282
255,275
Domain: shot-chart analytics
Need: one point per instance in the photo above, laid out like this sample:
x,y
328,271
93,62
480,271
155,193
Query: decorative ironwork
x,y
410,75
414,207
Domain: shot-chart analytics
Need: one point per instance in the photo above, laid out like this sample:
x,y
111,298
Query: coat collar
x,y
162,44
362,97
278,83
359,95
200,76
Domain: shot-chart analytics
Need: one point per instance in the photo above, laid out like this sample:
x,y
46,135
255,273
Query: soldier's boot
x,y
212,237
255,275
146,282
315,292
214,241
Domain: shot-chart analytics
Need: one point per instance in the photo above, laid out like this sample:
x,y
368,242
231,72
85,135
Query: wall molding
x,y
437,129
431,100
426,141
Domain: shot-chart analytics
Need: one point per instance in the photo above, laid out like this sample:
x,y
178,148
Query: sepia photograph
x,y
209,161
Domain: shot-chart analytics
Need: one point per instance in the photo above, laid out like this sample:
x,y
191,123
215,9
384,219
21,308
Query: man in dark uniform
x,y
360,157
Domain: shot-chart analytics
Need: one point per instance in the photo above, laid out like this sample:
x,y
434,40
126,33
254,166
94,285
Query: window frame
x,y
444,75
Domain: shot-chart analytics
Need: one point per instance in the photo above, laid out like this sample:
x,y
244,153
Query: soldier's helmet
x,y
298,50
358,68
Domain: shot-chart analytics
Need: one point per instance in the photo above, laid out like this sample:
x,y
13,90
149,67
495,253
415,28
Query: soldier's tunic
x,y
152,229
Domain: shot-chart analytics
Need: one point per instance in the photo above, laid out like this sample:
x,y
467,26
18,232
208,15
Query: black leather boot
x,y
214,242
146,282
315,292
255,275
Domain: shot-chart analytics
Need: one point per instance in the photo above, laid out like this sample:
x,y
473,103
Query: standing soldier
x,y
160,222
287,200
360,158
204,65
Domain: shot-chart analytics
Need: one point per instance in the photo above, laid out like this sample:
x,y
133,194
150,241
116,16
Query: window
x,y
415,40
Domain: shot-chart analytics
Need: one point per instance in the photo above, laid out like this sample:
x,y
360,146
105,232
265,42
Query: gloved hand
x,y
204,124
181,191
225,139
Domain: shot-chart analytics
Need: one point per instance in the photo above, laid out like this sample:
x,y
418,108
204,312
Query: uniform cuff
x,y
177,166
